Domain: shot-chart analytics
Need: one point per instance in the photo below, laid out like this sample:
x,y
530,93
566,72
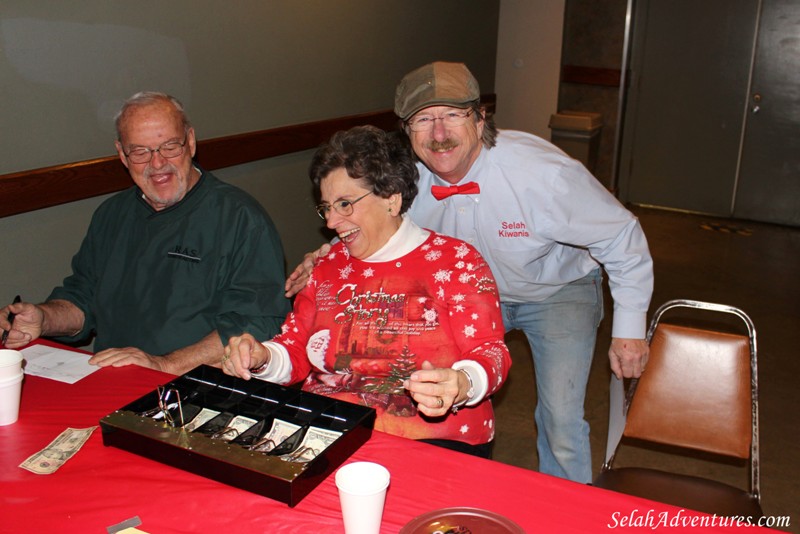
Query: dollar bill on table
x,y
61,449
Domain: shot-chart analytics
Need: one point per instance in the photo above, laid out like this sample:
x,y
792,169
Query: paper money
x,y
61,449
315,441
281,430
320,438
205,415
237,426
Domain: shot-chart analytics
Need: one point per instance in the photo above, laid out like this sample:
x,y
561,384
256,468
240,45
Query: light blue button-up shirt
x,y
542,221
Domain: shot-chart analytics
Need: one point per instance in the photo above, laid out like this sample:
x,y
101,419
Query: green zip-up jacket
x,y
163,280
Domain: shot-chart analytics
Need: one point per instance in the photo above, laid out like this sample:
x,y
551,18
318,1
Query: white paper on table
x,y
58,364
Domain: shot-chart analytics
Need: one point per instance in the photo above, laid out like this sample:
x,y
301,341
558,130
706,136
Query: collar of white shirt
x,y
408,237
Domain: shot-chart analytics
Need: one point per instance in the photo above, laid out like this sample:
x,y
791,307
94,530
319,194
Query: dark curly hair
x,y
383,161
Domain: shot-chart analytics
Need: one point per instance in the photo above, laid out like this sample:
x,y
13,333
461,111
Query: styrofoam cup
x,y
10,363
362,493
10,392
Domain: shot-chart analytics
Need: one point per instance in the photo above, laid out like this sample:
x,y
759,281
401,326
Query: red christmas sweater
x,y
358,329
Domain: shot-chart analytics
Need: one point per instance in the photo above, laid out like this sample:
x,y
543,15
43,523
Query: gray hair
x,y
146,98
489,137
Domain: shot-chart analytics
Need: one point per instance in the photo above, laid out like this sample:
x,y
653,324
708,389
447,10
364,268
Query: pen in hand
x,y
10,318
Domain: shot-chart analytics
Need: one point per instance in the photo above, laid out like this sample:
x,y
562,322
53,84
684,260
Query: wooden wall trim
x,y
590,75
26,191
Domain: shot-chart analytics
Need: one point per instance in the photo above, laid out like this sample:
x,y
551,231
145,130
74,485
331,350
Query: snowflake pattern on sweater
x,y
358,329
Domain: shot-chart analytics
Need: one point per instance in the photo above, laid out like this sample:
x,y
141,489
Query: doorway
x,y
712,121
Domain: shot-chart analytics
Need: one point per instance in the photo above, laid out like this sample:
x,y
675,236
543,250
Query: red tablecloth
x,y
102,486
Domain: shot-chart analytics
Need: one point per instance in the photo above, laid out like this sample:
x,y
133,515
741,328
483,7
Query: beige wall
x,y
65,67
528,64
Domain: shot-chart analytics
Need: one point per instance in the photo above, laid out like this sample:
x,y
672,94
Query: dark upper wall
x,y
238,66
65,67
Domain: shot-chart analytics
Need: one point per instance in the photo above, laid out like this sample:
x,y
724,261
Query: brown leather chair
x,y
700,392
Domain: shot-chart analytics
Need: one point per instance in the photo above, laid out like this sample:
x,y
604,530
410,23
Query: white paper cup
x,y
10,392
362,493
10,363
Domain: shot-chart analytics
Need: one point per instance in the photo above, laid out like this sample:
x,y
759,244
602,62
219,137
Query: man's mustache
x,y
165,169
447,144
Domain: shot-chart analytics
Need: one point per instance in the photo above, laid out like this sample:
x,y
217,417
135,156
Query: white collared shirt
x,y
542,221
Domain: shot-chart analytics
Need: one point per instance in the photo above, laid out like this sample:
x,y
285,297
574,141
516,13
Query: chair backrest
x,y
696,392
700,390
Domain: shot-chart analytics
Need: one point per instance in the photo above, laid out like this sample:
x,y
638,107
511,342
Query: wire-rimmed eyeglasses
x,y
423,122
343,207
169,399
143,154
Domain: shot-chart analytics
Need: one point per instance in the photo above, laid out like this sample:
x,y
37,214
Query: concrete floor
x,y
753,266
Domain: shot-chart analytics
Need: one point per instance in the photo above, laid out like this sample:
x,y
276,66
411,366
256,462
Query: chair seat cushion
x,y
683,491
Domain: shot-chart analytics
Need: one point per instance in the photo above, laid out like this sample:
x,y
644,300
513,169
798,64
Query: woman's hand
x,y
436,390
242,354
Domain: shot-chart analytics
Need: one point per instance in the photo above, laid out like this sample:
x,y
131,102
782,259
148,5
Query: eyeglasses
x,y
168,400
170,149
424,123
342,207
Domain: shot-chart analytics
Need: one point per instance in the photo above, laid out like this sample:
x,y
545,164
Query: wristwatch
x,y
260,369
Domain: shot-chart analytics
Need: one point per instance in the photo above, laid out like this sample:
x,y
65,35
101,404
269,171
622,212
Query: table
x,y
103,486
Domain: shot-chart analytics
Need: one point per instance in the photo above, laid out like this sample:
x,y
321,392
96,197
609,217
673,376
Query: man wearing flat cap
x,y
546,226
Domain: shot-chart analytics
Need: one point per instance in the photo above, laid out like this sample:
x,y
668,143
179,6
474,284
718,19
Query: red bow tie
x,y
441,192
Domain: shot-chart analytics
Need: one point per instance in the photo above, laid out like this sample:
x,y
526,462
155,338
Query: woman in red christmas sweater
x,y
394,317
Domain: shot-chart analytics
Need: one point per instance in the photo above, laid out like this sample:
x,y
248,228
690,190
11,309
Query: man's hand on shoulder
x,y
299,277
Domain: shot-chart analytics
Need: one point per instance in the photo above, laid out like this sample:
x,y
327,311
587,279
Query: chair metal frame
x,y
755,480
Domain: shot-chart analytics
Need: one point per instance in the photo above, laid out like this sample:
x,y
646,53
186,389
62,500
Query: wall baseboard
x,y
590,75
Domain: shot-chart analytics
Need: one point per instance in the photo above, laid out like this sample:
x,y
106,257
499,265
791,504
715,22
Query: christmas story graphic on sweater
x,y
359,329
